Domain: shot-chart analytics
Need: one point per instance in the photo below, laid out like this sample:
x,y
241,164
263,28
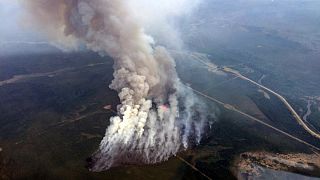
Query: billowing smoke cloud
x,y
157,116
159,18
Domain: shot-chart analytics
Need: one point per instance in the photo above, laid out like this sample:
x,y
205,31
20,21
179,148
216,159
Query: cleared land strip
x,y
293,112
17,78
232,108
237,74
193,167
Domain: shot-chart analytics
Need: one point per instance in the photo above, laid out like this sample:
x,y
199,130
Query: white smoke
x,y
157,116
158,18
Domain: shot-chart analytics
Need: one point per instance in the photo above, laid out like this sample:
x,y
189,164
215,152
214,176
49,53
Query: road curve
x,y
237,74
293,112
232,108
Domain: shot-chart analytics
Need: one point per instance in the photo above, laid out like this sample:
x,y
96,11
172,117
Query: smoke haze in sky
x,y
157,116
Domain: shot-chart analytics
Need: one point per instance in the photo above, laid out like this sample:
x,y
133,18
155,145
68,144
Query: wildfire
x,y
164,107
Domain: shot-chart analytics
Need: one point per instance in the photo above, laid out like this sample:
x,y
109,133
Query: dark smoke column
x,y
154,118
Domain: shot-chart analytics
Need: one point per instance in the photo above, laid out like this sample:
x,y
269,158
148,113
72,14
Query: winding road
x,y
232,108
289,107
203,59
305,117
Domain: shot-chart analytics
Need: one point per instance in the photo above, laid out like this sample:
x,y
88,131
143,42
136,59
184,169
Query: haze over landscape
x,y
206,89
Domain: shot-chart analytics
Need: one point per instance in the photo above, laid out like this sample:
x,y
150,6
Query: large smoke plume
x,y
157,116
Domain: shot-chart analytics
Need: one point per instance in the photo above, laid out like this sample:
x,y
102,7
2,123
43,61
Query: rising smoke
x,y
157,116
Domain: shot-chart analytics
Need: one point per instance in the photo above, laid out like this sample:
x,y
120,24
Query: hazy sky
x,y
9,12
152,14
11,28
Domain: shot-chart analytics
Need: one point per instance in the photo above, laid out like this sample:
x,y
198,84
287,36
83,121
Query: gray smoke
x,y
157,116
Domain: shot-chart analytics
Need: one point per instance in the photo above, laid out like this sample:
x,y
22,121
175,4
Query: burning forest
x,y
158,116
